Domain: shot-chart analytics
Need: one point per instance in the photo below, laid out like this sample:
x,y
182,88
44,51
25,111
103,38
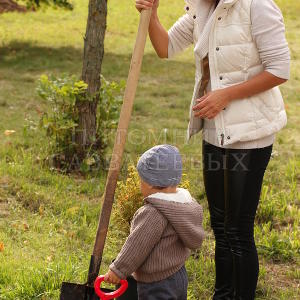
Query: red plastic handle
x,y
112,295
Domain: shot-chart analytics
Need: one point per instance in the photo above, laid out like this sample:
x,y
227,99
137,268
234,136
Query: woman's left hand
x,y
211,104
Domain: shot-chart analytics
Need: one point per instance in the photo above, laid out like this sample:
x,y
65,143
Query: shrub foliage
x,y
60,121
129,198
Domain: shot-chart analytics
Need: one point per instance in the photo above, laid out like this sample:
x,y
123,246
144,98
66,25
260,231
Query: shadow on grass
x,y
28,57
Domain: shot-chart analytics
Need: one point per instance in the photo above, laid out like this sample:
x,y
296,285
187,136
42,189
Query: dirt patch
x,y
4,211
9,6
4,181
278,276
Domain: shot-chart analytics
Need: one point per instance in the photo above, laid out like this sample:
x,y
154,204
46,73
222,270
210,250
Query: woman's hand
x,y
158,35
111,277
211,104
146,4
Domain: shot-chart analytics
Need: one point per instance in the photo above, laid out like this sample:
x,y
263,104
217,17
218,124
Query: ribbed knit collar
x,y
206,13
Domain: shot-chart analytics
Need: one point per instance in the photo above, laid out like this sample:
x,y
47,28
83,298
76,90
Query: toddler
x,y
163,230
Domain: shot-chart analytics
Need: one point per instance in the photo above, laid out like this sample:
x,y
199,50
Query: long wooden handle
x,y
120,139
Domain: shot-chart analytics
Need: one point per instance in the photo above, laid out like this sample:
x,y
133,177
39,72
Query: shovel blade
x,y
73,291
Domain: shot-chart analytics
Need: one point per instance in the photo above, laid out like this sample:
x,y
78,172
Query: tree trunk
x,y
91,70
10,5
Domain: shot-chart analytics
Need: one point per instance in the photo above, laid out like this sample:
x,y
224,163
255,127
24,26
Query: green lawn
x,y
48,221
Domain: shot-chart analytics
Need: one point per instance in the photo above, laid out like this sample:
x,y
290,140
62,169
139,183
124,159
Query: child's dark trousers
x,y
171,288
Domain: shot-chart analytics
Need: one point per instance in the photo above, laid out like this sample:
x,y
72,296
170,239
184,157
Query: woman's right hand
x,y
146,4
158,34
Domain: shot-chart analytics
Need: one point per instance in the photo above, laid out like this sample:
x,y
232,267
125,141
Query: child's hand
x,y
111,277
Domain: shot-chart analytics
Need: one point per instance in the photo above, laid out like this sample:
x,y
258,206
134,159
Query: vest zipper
x,y
219,118
222,139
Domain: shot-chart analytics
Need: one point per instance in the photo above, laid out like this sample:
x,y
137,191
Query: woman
x,y
241,57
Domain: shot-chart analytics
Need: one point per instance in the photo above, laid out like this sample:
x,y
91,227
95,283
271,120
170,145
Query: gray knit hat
x,y
161,166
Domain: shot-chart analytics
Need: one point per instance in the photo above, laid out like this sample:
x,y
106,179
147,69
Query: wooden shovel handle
x,y
120,140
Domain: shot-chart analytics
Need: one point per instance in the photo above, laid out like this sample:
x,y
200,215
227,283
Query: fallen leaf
x,y
41,210
71,234
9,132
1,247
26,226
49,258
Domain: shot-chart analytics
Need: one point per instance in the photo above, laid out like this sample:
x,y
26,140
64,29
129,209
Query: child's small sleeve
x,y
147,228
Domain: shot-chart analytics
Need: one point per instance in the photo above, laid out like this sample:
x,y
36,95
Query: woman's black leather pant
x,y
233,180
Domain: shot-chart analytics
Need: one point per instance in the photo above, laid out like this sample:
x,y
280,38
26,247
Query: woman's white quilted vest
x,y
234,58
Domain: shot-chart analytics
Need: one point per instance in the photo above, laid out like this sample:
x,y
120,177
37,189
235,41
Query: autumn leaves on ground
x,y
48,220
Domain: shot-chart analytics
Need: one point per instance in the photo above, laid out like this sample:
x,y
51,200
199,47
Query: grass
x,y
48,220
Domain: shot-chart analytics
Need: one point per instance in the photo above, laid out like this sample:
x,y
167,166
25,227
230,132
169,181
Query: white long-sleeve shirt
x,y
268,31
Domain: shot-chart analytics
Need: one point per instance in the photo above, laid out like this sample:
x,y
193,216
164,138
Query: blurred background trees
x,y
10,5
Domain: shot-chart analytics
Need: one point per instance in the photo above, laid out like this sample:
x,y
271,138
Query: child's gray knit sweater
x,y
162,233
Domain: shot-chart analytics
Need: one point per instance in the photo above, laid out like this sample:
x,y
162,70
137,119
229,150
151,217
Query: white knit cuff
x,y
171,51
281,71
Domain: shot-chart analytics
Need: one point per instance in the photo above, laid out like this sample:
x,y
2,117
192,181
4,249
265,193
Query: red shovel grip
x,y
112,295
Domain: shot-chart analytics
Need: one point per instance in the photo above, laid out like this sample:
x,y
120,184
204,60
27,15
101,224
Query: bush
x,y
60,123
129,199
